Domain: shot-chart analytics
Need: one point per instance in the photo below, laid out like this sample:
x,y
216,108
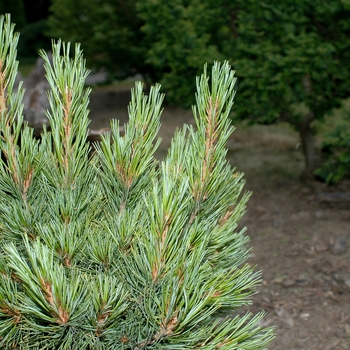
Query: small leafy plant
x,y
336,148
117,250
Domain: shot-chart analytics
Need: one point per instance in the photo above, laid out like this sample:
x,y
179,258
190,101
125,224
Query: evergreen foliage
x,y
336,151
109,30
294,62
117,250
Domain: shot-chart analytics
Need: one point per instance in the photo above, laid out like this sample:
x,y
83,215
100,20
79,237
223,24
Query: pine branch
x,y
117,249
69,114
128,162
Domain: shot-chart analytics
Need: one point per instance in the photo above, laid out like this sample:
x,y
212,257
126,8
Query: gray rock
x,y
340,245
35,99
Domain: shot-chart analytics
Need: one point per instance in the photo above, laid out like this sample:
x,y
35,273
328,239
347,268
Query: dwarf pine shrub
x,y
117,250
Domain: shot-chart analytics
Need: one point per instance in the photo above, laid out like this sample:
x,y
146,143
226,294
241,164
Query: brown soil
x,y
306,282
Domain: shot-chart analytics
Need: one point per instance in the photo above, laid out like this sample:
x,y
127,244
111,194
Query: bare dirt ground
x,y
298,241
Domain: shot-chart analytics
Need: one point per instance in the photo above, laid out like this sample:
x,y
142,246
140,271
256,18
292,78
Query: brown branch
x,y
63,315
101,319
155,270
11,312
48,291
160,249
2,88
10,139
166,329
226,217
67,126
10,155
211,133
64,255
123,173
124,339
26,184
14,163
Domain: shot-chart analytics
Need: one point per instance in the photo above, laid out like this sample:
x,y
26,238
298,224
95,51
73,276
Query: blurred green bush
x,y
32,39
336,149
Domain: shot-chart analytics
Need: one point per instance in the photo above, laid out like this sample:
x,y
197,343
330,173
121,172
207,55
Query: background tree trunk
x,y
308,145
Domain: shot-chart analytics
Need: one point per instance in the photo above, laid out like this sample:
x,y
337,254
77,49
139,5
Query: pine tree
x,y
113,249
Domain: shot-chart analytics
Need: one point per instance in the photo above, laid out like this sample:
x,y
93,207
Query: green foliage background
x,y
275,46
31,19
17,10
292,57
335,145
